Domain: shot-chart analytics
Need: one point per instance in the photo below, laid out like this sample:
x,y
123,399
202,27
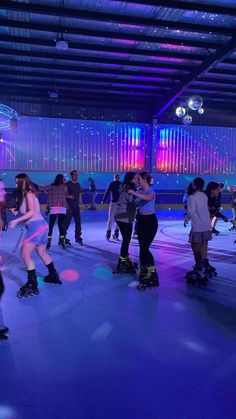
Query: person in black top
x,y
114,191
74,200
93,190
213,192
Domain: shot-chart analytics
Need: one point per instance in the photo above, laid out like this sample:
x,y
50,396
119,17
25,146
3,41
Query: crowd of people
x,y
131,201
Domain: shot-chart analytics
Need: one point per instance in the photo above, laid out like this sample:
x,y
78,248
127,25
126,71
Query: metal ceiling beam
x,y
210,62
85,58
77,78
72,67
82,14
185,5
42,27
95,48
83,88
117,96
96,77
223,71
103,84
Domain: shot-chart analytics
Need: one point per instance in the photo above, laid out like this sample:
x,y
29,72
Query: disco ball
x,y
200,111
187,119
180,111
195,102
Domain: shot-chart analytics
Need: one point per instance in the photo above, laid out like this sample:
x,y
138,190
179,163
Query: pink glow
x,y
69,275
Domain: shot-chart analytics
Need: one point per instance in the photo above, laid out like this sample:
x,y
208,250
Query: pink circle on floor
x,y
69,275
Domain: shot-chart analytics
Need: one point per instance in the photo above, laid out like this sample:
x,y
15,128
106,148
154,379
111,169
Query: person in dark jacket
x,y
114,191
75,204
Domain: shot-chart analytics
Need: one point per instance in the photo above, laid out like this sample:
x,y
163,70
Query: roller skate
x,y
108,235
233,222
67,242
115,235
148,277
31,286
214,231
3,333
61,242
125,266
49,242
52,278
79,241
196,277
209,270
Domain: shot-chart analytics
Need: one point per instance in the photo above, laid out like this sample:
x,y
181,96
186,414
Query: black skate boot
x,y
67,242
214,231
31,286
61,242
124,266
148,278
52,277
3,333
79,241
108,235
116,235
49,242
196,276
233,222
209,270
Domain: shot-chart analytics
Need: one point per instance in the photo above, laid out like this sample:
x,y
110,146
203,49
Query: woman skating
x,y
36,235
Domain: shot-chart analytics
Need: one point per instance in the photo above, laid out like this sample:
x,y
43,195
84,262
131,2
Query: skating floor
x,y
97,348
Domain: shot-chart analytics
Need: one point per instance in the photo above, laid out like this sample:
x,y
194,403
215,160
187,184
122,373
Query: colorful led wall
x,y
59,145
194,150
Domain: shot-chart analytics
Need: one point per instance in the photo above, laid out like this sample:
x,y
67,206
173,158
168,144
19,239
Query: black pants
x,y
1,286
147,226
75,213
126,233
61,223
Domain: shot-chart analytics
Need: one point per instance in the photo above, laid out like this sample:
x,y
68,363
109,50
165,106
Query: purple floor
x,y
97,348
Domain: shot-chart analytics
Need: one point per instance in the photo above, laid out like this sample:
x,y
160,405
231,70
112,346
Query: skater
x,y
3,329
35,238
232,190
3,218
114,191
147,226
218,213
93,190
75,204
214,203
57,194
200,234
124,217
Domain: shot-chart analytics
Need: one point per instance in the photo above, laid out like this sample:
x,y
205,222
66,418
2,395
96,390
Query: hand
x,y
81,207
13,223
102,202
70,197
13,211
130,191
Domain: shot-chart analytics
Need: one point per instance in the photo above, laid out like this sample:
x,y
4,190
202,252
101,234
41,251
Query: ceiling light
x,y
62,44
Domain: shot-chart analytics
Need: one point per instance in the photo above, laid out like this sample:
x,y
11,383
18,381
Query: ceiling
x,y
136,53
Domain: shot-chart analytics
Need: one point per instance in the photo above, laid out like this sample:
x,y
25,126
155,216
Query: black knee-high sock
x,y
51,268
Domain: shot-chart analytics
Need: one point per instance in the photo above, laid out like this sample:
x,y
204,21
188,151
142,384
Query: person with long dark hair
x,y
3,328
36,235
147,226
57,194
124,217
200,234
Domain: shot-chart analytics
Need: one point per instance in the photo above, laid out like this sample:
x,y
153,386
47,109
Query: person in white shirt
x,y
200,234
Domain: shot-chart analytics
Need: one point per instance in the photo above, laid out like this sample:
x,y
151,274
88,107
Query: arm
x,y
106,194
29,214
146,197
191,209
